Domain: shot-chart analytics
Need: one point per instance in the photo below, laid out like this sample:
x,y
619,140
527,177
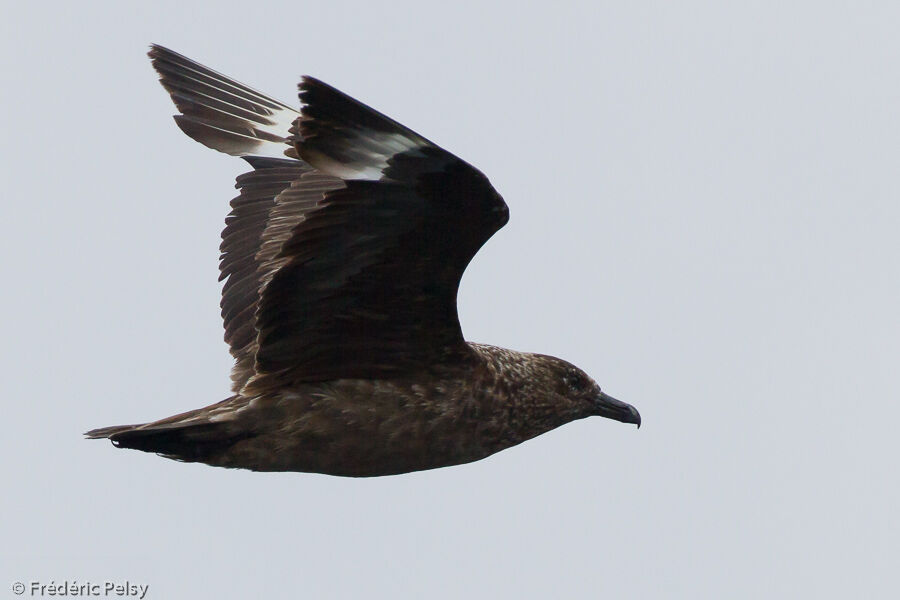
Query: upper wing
x,y
344,264
367,282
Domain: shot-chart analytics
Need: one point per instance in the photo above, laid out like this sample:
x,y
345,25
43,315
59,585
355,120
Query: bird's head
x,y
573,388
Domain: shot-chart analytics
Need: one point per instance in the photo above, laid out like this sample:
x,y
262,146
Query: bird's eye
x,y
576,382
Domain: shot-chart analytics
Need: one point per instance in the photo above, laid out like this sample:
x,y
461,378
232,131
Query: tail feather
x,y
105,432
191,443
221,113
192,436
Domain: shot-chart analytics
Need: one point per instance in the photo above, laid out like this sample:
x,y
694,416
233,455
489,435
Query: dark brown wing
x,y
347,269
368,280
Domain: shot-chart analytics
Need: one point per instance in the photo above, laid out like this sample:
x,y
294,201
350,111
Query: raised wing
x,y
368,280
345,263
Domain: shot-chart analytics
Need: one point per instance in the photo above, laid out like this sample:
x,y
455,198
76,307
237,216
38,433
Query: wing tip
x,y
220,112
158,53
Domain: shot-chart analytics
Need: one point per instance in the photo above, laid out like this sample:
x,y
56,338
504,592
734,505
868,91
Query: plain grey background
x,y
704,216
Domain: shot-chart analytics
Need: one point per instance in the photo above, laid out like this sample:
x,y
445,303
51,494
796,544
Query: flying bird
x,y
342,257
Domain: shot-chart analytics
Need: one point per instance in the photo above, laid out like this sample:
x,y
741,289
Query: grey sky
x,y
704,216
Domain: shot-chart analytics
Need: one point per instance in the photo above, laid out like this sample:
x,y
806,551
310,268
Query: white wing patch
x,y
366,155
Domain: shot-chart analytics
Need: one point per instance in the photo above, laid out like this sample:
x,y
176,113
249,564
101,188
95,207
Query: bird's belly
x,y
387,434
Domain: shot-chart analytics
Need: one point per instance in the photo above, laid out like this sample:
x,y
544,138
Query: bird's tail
x,y
108,432
189,437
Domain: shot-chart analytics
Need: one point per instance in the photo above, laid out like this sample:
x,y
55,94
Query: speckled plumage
x,y
342,257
